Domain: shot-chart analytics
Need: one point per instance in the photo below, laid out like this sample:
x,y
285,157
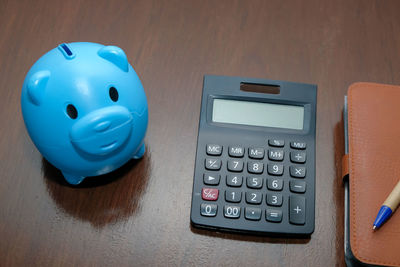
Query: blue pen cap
x,y
383,214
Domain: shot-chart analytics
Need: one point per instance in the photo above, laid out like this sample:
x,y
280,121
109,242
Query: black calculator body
x,y
255,158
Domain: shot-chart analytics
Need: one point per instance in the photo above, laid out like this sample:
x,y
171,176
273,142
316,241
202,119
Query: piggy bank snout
x,y
102,131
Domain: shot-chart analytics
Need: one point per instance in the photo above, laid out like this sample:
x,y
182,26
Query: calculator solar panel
x,y
255,158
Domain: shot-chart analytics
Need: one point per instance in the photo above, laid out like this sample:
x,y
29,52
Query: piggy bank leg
x,y
73,179
140,152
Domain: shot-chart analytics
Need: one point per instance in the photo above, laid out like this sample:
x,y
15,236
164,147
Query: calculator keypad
x,y
235,165
253,214
233,196
209,210
298,157
234,180
232,212
256,167
253,197
256,153
297,171
236,151
276,154
213,164
256,183
209,194
273,215
211,178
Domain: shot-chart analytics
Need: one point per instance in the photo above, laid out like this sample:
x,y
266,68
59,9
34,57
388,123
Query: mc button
x,y
214,150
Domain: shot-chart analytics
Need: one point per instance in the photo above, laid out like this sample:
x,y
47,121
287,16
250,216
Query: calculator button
x,y
214,150
234,180
233,196
275,169
255,167
253,214
297,186
231,212
273,215
235,165
209,210
209,194
298,157
213,164
274,200
297,210
298,145
253,197
254,182
236,151
297,171
211,178
276,142
274,184
256,153
275,154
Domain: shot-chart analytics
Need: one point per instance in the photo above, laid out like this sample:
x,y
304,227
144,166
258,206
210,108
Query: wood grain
x,y
140,213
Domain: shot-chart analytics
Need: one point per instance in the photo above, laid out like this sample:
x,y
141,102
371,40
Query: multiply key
x,y
297,171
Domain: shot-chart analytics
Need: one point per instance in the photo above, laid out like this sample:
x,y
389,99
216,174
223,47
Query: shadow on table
x,y
251,237
338,191
104,199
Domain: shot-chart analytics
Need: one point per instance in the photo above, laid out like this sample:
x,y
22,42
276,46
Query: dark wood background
x,y
140,213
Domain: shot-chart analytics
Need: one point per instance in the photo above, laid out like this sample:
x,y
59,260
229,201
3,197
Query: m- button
x,y
256,153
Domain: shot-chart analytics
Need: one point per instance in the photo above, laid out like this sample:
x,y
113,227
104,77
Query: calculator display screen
x,y
258,114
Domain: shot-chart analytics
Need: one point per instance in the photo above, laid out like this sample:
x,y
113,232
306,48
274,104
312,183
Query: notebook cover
x,y
374,170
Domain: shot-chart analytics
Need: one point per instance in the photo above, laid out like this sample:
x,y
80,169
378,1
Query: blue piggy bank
x,y
85,109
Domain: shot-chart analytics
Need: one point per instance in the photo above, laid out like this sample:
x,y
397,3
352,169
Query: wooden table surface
x,y
140,214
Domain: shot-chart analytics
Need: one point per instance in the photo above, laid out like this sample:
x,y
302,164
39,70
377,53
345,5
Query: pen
x,y
388,207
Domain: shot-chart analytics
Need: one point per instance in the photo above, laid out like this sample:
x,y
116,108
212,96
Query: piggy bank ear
x,y
115,55
37,85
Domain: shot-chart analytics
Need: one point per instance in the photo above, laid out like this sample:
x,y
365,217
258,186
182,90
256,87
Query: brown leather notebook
x,y
374,169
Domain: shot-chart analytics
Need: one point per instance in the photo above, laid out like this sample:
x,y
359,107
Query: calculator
x,y
255,158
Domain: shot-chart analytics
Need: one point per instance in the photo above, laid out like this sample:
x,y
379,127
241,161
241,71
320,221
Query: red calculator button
x,y
209,194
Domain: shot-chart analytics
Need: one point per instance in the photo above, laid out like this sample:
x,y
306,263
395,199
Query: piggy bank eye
x,y
113,94
72,112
